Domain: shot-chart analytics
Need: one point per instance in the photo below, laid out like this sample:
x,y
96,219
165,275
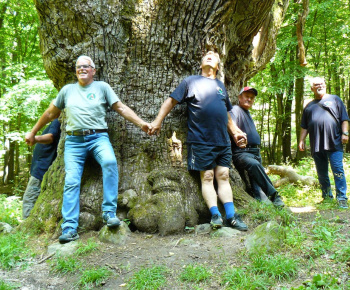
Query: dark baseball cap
x,y
249,89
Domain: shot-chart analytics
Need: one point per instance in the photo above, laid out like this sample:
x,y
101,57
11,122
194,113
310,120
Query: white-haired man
x,y
326,121
86,103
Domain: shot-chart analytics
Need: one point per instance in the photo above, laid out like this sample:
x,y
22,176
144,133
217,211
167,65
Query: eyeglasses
x,y
83,66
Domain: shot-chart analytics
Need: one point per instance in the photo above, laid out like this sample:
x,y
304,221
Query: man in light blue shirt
x,y
86,104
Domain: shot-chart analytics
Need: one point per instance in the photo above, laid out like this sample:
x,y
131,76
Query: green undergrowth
x,y
149,278
10,210
13,250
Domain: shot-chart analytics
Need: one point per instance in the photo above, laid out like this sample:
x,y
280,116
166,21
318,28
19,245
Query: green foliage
x,y
6,286
321,281
149,278
241,278
10,209
278,267
94,277
13,250
66,265
88,248
295,236
193,273
342,255
261,212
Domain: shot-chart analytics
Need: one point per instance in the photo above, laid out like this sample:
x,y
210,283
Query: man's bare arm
x,y
130,115
303,134
49,115
237,134
164,110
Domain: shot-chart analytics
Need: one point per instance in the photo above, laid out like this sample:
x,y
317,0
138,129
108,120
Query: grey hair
x,y
87,58
316,80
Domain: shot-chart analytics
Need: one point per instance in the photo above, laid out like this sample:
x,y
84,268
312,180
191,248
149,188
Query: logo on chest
x,y
91,96
220,91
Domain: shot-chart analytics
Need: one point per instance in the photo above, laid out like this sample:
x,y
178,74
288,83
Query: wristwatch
x,y
346,133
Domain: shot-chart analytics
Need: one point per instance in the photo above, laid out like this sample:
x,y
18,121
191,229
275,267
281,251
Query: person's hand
x,y
155,128
344,139
30,139
301,145
146,127
240,139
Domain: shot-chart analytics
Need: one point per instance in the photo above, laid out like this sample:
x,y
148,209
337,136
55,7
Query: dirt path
x,y
144,250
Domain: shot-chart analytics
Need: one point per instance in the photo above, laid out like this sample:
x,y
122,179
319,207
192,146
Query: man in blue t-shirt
x,y
326,120
249,158
209,125
44,154
86,103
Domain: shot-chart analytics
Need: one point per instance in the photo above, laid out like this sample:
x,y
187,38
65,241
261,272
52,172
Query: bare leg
x,y
222,176
208,190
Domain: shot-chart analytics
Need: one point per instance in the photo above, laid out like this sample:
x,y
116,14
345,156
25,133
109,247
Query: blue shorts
x,y
202,157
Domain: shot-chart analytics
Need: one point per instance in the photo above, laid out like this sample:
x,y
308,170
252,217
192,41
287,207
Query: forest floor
x,y
152,257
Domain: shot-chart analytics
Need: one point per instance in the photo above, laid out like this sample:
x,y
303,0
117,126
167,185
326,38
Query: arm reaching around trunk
x,y
165,109
131,116
49,115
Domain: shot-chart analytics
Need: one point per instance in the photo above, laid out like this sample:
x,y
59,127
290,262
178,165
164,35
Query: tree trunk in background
x,y
299,101
143,49
287,124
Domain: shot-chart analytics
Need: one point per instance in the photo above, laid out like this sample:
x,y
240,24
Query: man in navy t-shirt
x,y
326,120
209,125
249,158
45,152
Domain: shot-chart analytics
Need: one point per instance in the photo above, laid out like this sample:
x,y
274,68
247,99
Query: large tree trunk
x,y
143,49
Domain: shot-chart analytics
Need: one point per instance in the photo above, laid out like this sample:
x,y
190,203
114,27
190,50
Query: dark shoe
x,y
111,219
68,235
277,200
236,223
343,204
216,221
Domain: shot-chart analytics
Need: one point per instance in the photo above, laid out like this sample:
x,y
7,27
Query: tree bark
x,y
143,49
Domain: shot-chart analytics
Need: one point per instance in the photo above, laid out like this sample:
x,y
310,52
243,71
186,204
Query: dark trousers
x,y
250,160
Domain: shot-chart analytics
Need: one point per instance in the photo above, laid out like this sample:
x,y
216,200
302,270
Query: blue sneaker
x,y
111,219
216,222
68,234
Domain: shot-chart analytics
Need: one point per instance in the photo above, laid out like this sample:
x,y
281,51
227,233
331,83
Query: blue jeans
x,y
76,151
336,160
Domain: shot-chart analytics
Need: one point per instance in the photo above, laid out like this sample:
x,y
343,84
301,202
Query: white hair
x,y
316,80
87,58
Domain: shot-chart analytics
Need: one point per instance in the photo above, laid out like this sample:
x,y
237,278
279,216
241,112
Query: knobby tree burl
x,y
143,49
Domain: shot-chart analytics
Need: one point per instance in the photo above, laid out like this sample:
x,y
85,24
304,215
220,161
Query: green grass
x,y
13,250
84,249
10,209
6,286
279,267
66,265
261,213
94,277
148,278
193,273
241,278
322,281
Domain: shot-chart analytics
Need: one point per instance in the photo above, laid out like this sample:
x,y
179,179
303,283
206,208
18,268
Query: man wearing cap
x,y
208,141
86,103
249,158
326,120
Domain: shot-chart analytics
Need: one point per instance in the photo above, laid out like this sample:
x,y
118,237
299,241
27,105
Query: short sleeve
x,y
180,93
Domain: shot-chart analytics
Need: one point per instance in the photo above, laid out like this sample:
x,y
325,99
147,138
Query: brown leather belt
x,y
85,132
